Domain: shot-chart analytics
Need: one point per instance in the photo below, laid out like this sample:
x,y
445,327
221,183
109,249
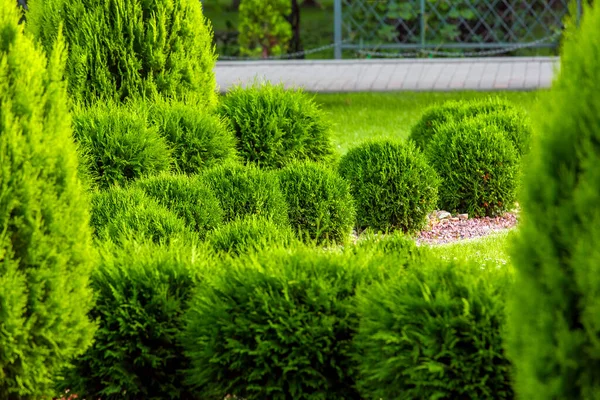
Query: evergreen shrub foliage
x,y
554,316
119,214
320,207
247,190
264,29
392,184
123,49
119,145
198,139
277,325
187,197
434,332
46,252
250,234
275,126
494,111
141,290
478,167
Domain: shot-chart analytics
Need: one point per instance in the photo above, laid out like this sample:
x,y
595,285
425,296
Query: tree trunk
x,y
235,5
294,19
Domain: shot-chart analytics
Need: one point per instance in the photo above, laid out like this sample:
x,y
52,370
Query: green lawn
x,y
488,251
360,116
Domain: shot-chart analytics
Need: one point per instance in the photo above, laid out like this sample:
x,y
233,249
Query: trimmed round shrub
x,y
395,243
478,167
275,126
46,252
187,197
278,325
494,111
247,190
142,291
320,207
198,139
434,332
119,145
392,184
166,51
119,214
554,316
249,234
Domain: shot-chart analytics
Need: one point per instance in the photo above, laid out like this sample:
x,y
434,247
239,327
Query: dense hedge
x,y
198,139
120,214
119,144
554,316
46,252
142,291
188,197
392,184
264,29
434,332
246,191
320,207
275,126
122,49
494,111
478,167
278,325
250,234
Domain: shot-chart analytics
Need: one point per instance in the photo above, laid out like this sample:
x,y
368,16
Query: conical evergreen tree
x,y
554,330
45,240
120,49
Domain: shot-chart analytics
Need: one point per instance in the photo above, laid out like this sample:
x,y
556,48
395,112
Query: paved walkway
x,y
515,73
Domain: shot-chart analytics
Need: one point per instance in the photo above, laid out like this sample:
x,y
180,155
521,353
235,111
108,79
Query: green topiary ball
x,y
119,145
478,167
198,139
275,126
123,49
494,111
276,325
392,184
142,291
249,235
554,314
46,252
119,214
187,197
320,207
247,190
434,332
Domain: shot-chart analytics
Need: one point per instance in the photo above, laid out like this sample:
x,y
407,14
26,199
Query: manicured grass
x,y
488,251
360,116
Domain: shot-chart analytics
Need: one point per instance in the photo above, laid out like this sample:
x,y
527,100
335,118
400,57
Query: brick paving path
x,y
514,73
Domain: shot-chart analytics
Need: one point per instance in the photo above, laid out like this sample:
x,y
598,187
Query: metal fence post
x,y
337,29
579,11
422,24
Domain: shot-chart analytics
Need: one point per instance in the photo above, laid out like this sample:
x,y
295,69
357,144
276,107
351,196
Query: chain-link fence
x,y
449,27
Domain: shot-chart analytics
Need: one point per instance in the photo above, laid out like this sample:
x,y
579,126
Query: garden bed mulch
x,y
445,228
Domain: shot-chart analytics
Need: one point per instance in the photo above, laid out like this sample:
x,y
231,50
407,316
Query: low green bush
x,y
392,184
247,190
275,126
434,332
119,214
197,138
188,197
277,325
142,291
394,243
320,207
119,144
497,111
478,167
249,234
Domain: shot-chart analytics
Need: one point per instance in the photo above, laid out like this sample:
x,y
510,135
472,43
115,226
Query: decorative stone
x,y
443,215
454,219
463,216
